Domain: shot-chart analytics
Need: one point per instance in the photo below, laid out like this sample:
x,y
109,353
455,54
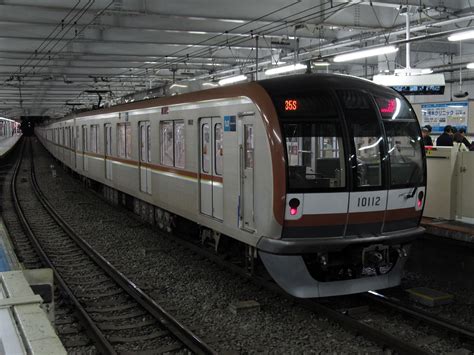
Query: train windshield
x,y
315,155
364,128
404,141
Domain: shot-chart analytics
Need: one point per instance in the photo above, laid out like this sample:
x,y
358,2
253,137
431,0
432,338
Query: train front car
x,y
355,185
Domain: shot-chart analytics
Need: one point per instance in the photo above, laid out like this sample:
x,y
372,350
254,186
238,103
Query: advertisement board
x,y
440,115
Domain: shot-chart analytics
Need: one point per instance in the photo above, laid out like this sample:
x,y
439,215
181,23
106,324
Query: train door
x,y
145,156
108,150
211,167
84,148
247,163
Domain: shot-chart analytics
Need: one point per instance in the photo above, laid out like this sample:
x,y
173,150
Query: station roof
x,y
58,55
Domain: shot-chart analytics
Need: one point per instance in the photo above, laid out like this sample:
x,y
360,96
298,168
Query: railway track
x,y
117,315
356,324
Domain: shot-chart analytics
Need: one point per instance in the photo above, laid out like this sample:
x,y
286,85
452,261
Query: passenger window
x,y
172,143
367,137
249,146
315,155
94,138
167,135
205,148
179,148
108,139
148,139
218,148
404,141
143,143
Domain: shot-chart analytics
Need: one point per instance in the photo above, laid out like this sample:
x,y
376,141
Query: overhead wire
x,y
262,30
72,23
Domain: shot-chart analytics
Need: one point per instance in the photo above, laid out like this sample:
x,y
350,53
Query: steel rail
x,y
419,314
180,331
102,344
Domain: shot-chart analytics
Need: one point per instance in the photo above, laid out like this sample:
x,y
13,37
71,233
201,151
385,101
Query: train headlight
x,y
420,198
294,203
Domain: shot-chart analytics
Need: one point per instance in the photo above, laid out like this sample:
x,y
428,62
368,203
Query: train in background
x,y
8,127
321,177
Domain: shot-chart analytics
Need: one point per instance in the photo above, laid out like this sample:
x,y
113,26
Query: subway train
x,y
8,127
321,177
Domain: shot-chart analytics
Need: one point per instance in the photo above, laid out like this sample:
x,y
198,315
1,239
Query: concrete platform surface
x,y
449,229
6,144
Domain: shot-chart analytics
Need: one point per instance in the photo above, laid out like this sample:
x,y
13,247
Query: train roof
x,y
309,82
274,86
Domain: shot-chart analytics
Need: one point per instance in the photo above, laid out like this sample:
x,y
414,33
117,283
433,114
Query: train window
x,y
93,142
315,155
148,139
394,108
218,148
68,137
368,140
179,149
405,149
143,142
124,140
167,154
249,146
205,148
172,143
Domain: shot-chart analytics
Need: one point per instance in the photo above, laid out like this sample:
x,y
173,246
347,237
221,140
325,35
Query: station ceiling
x,y
58,55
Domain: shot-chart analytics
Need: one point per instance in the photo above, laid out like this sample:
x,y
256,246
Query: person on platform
x,y
425,133
446,139
464,140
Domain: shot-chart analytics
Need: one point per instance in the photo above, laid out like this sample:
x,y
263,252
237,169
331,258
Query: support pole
x,y
407,21
256,58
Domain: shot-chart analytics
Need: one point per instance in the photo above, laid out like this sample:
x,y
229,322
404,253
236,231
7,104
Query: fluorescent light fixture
x,y
320,64
210,84
460,36
365,53
285,69
470,66
232,79
410,80
426,71
178,86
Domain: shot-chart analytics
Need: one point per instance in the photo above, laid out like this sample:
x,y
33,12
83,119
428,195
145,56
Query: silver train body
x,y
322,177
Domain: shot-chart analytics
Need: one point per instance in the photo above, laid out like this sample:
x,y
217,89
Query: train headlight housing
x,y
420,198
294,204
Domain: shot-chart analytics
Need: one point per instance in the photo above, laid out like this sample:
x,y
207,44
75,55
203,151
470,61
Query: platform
x,y
454,230
8,259
6,144
25,327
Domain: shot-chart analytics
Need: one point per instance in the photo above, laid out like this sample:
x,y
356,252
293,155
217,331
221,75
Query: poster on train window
x,y
440,115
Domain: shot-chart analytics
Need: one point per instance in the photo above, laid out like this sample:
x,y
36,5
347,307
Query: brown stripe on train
x,y
270,120
365,217
402,213
181,172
